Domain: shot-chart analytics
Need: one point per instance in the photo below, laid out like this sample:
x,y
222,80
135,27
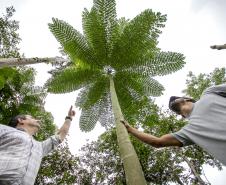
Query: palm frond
x,y
71,79
139,84
82,96
166,63
96,37
99,25
139,36
151,86
162,63
73,42
93,93
89,118
126,49
107,12
106,117
121,25
128,103
99,110
131,83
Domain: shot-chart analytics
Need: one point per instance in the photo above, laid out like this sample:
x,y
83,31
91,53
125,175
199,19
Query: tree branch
x,y
10,62
218,47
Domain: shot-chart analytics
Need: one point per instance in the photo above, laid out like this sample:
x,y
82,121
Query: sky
x,y
191,27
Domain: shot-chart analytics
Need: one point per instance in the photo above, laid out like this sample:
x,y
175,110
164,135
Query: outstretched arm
x,y
165,140
65,127
49,144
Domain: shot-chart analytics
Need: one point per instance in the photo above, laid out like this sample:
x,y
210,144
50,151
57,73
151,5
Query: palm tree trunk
x,y
10,62
132,167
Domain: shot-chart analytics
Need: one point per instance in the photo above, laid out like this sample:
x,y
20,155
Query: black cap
x,y
172,99
172,105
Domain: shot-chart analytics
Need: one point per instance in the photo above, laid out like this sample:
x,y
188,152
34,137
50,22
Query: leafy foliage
x,y
124,49
161,166
18,95
5,75
9,38
197,84
72,79
58,168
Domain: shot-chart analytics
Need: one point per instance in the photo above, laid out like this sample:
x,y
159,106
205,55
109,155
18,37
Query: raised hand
x,y
71,112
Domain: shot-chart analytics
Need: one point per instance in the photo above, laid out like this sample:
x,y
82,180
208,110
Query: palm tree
x,y
112,63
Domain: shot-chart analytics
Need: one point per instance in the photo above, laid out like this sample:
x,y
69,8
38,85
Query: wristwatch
x,y
68,117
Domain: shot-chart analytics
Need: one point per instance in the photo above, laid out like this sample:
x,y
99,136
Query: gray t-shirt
x,y
207,123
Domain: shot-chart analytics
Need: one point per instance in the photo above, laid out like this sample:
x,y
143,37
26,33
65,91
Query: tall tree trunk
x,y
219,47
10,62
132,167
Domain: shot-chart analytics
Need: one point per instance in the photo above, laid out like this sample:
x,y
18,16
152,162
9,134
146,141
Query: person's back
x,y
207,124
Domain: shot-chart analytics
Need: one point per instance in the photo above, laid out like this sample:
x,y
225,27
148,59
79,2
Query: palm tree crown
x,y
125,50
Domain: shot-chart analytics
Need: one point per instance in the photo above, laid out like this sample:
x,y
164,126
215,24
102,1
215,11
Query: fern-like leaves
x,y
139,37
162,63
71,79
99,26
94,109
128,47
73,42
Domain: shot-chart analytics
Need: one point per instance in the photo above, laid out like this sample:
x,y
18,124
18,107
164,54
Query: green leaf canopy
x,y
124,49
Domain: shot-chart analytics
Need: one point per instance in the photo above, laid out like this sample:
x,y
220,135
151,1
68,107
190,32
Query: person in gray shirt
x,y
206,123
20,153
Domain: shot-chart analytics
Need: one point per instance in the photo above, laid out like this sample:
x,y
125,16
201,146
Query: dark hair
x,y
14,120
176,105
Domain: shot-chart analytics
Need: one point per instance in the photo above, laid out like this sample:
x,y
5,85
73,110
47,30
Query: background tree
x,y
161,166
19,95
60,167
118,55
17,91
9,38
197,84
